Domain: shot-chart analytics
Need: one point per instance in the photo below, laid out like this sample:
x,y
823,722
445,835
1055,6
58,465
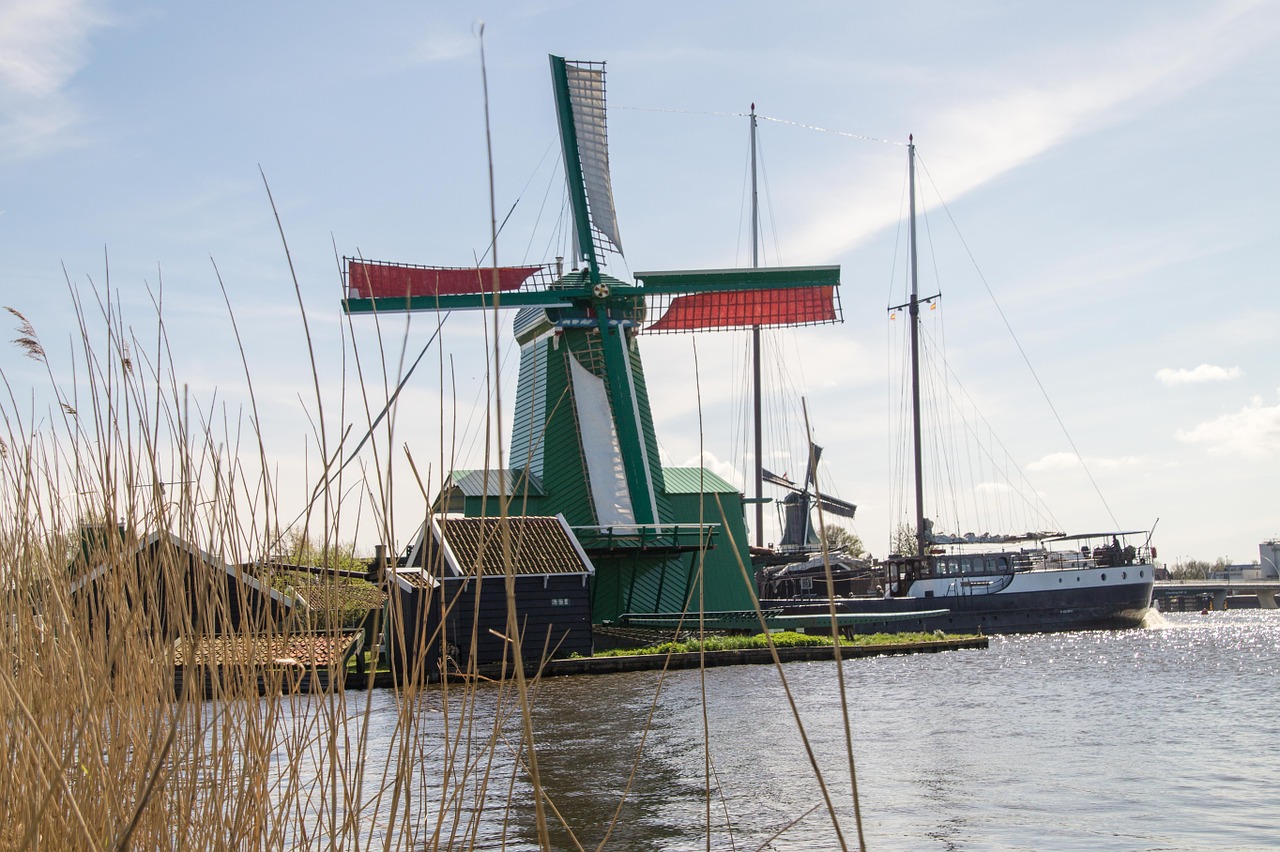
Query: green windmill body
x,y
583,442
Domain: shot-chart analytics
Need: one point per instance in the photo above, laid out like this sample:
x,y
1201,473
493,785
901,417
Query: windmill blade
x,y
780,481
815,456
374,279
584,140
719,299
374,286
833,506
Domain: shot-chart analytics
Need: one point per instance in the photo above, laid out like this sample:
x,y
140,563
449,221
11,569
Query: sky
x,y
1099,178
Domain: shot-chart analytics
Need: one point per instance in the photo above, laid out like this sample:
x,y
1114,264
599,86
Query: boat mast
x,y
755,344
915,351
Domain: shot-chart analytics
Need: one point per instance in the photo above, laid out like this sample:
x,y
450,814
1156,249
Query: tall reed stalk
x,y
116,504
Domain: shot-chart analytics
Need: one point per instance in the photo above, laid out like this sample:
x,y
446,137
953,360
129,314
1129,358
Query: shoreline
x,y
690,660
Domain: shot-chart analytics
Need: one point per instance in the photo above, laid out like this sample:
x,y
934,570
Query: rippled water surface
x,y
1165,738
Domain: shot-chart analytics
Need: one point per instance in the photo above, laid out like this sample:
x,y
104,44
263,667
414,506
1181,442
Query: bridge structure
x,y
1182,595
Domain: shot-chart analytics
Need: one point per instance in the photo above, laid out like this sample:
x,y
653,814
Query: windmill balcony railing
x,y
647,537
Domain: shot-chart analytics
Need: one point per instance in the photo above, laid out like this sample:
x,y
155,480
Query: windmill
x,y
583,442
798,533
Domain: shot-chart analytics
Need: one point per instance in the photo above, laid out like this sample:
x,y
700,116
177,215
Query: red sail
x,y
372,280
747,308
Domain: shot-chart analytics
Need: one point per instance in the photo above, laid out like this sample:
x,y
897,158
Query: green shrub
x,y
785,639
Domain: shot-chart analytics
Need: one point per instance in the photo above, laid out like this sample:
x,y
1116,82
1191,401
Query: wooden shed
x,y
225,628
173,588
448,610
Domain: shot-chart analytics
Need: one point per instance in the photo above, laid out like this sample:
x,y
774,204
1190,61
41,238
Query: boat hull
x,y
1035,602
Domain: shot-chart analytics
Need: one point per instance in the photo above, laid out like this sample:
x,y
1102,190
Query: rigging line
x,y
942,460
905,449
543,206
953,409
898,246
739,434
788,122
744,205
392,399
682,111
953,379
768,197
556,243
844,133
1018,343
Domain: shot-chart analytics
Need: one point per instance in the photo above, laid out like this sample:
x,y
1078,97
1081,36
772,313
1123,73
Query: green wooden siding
x,y
727,585
530,412
647,433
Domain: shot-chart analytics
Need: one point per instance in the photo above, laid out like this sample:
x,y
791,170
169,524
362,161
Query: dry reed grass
x,y
112,508
105,751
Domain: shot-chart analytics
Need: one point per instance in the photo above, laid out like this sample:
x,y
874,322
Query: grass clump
x,y
784,639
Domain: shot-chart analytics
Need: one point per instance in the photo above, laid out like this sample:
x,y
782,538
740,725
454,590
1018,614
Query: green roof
x,y
482,483
696,480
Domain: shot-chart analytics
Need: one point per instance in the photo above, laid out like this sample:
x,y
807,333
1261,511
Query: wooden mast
x,y
915,352
755,345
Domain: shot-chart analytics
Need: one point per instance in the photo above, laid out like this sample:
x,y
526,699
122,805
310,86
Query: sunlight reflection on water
x,y
1145,739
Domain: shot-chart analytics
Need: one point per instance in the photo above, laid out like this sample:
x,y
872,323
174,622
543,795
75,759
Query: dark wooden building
x,y
171,588
448,610
225,626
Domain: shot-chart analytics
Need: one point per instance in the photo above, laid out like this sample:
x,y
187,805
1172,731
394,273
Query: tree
x,y
1197,569
904,541
300,549
844,539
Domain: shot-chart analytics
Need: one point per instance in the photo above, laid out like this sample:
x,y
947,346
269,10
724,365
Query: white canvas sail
x,y
602,452
586,95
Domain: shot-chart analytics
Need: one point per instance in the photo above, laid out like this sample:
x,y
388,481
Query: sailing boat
x,y
1002,584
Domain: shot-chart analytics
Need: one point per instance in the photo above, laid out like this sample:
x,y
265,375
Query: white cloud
x,y
1203,373
725,470
446,47
1068,94
1252,432
1055,461
42,47
1069,461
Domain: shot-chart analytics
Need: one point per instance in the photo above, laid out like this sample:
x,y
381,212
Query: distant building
x,y
1264,569
1269,553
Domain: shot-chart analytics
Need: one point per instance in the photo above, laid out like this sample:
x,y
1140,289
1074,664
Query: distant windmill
x,y
583,442
798,532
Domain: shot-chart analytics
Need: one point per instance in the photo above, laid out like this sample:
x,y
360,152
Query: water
x,y
1157,739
